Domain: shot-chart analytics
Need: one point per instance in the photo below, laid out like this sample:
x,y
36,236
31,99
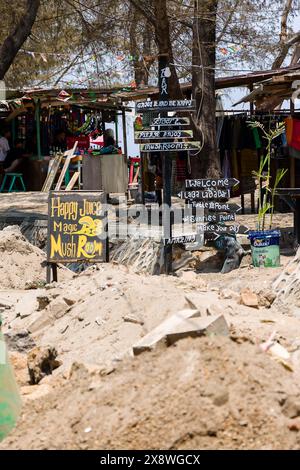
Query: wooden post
x,y
164,78
124,132
117,129
38,128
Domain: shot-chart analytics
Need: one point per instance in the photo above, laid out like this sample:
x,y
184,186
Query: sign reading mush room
x,y
77,226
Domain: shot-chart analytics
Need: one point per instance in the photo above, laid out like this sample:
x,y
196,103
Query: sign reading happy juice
x,y
77,226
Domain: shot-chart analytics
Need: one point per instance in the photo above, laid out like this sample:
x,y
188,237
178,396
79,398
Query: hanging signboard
x,y
209,218
170,147
211,183
173,134
206,194
172,105
172,121
223,229
77,225
214,206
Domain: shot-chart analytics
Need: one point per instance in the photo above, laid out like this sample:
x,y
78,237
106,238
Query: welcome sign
x,y
77,226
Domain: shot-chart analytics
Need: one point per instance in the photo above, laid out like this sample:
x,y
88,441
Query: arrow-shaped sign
x,y
150,135
209,218
223,229
172,121
170,147
182,239
206,194
174,105
214,206
211,183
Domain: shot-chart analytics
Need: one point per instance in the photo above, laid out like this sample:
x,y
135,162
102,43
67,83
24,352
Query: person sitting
x,y
109,147
15,158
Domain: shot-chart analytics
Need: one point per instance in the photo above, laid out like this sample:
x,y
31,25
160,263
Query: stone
x,y
69,301
229,294
266,298
194,327
34,392
249,298
291,407
43,302
294,424
158,335
20,341
19,364
27,305
41,362
58,308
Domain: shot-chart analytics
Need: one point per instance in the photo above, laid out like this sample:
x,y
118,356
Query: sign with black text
x,y
77,225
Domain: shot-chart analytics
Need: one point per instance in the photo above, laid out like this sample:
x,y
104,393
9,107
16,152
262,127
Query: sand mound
x,y
201,394
19,260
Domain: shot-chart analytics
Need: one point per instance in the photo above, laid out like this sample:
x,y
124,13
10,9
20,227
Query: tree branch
x,y
16,39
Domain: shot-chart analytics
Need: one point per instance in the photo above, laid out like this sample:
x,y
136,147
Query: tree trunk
x,y
207,163
163,40
142,55
16,39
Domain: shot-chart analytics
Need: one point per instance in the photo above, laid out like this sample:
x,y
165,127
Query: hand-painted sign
x,y
170,147
76,226
182,239
211,183
207,194
222,229
175,105
173,134
214,206
172,121
209,218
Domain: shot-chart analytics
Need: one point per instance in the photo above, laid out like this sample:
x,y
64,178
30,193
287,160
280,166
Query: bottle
x,y
10,401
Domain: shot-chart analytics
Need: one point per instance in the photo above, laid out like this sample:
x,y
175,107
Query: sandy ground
x,y
212,393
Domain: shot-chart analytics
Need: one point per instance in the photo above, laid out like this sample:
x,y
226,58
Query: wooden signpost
x,y
163,105
211,183
77,228
170,121
169,134
206,194
214,206
209,218
170,147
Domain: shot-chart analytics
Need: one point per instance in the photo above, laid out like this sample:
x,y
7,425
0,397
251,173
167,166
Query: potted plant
x,y
265,239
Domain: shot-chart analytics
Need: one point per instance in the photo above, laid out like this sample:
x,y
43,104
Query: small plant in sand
x,y
266,199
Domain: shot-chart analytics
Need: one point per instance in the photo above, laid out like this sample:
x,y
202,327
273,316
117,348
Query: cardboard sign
x,y
173,134
170,147
173,105
211,183
77,225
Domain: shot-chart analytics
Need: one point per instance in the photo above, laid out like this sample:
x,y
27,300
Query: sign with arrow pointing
x,y
211,183
173,105
170,147
209,218
172,121
182,239
223,229
206,194
214,206
173,134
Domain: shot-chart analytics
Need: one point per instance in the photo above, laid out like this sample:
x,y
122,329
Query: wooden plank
x,y
73,181
52,173
69,154
158,335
